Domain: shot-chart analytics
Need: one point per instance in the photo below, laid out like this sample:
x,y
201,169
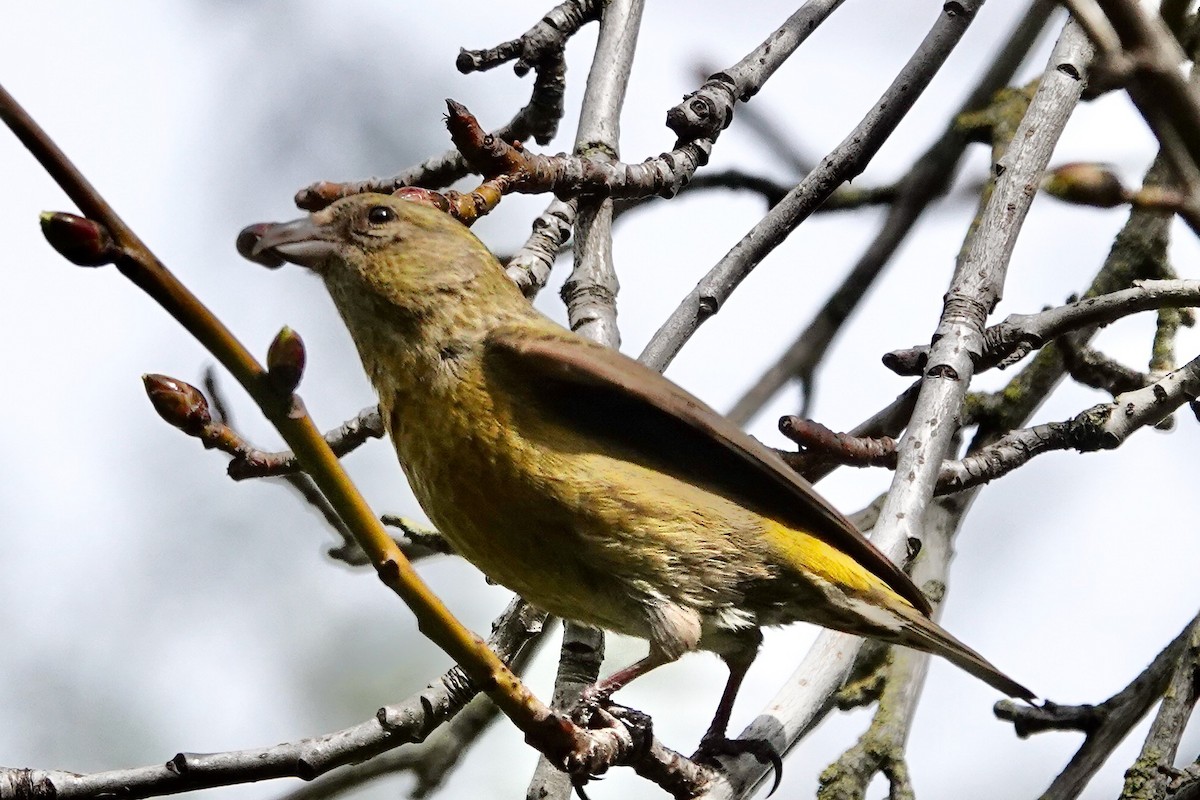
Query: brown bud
x,y
426,197
285,360
83,242
1086,184
179,403
248,237
1162,198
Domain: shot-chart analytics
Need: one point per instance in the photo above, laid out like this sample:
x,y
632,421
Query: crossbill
x,y
584,481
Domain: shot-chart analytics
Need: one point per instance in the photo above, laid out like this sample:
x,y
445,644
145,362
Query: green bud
x,y
1086,184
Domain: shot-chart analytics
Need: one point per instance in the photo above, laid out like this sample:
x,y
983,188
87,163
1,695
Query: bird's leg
x,y
600,692
738,664
674,630
715,741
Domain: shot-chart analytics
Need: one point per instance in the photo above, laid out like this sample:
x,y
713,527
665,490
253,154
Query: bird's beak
x,y
301,241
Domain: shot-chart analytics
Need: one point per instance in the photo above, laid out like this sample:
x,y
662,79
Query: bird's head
x,y
378,249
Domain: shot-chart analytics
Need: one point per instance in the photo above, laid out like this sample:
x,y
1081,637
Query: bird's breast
x,y
516,508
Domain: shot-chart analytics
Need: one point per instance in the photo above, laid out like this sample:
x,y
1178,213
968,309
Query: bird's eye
x,y
380,215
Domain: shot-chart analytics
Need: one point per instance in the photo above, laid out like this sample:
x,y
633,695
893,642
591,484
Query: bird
x,y
586,482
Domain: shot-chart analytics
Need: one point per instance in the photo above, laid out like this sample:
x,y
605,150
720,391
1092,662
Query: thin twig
x,y
1151,773
432,759
250,462
1092,368
1105,725
929,178
1152,57
541,48
704,113
807,697
1020,334
846,161
348,551
409,721
545,41
1101,427
544,729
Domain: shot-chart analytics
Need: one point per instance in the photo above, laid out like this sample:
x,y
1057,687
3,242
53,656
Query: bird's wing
x,y
612,397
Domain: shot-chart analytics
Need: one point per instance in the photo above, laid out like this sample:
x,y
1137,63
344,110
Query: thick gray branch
x,y
975,288
807,697
591,291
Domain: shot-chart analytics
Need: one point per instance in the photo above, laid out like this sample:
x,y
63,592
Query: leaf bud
x,y
82,241
426,197
285,360
1086,184
179,403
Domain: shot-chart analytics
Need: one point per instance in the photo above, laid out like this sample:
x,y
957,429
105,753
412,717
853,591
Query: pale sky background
x,y
148,605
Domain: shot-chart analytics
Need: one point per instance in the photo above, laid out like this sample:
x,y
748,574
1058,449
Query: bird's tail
x,y
922,633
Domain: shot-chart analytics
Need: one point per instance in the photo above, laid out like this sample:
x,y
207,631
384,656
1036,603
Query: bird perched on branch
x,y
581,479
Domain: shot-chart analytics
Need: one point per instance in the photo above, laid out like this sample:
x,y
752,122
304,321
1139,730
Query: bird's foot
x,y
714,745
598,714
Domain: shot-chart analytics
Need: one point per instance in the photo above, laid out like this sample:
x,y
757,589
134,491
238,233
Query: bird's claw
x,y
763,751
602,714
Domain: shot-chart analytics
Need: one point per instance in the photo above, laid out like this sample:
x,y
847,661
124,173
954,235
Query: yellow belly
x,y
595,537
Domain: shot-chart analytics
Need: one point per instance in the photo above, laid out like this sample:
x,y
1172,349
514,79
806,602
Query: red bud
x,y
426,197
179,403
285,360
83,242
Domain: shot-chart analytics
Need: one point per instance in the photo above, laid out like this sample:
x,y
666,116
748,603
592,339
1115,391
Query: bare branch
x,y
1092,368
530,266
406,722
249,462
1107,724
1150,775
515,169
846,161
881,748
544,42
590,292
1150,61
804,701
1020,334
975,288
704,113
541,49
929,178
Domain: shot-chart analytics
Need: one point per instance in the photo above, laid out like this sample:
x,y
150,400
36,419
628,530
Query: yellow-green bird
x,y
582,480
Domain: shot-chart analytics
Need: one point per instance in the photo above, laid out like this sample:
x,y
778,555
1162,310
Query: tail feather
x,y
922,633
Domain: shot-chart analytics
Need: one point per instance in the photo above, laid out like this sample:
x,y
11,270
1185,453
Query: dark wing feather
x,y
610,396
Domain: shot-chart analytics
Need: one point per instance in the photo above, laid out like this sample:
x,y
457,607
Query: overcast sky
x,y
149,605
